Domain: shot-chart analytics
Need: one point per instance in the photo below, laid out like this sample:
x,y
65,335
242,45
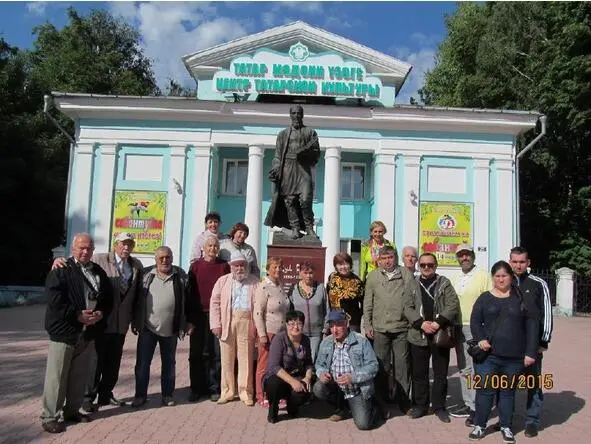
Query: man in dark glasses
x,y
435,306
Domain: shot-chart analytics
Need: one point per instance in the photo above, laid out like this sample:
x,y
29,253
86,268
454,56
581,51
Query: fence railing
x,y
582,295
550,277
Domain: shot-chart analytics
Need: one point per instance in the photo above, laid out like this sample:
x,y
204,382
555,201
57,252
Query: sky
x,y
409,31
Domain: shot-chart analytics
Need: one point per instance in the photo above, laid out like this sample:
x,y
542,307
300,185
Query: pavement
x,y
23,348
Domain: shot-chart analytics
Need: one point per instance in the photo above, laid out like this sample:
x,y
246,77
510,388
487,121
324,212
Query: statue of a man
x,y
297,151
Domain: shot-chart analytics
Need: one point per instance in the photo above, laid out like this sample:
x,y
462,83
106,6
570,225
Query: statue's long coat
x,y
277,214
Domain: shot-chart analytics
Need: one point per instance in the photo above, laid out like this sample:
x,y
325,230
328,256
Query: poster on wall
x,y
442,227
142,214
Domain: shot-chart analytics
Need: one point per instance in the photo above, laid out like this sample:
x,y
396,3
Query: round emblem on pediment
x,y
299,52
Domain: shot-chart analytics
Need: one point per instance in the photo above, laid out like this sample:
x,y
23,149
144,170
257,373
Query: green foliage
x,y
531,56
175,89
93,54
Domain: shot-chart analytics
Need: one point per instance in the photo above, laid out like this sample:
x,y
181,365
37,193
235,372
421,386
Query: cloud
x,y
37,8
425,40
171,30
275,16
422,61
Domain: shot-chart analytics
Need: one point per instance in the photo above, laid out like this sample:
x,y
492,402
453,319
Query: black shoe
x,y
531,431
88,407
470,419
78,417
193,397
461,412
110,401
215,397
53,426
417,412
496,427
443,415
508,437
405,406
138,401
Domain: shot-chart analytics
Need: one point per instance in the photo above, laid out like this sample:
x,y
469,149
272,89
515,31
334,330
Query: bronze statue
x,y
297,151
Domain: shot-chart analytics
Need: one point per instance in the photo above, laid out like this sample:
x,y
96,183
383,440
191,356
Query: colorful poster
x,y
442,227
142,214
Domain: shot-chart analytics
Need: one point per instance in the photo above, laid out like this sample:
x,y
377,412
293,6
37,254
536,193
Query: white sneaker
x,y
508,437
476,434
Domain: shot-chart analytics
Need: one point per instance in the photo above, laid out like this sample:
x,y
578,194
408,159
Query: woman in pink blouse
x,y
270,306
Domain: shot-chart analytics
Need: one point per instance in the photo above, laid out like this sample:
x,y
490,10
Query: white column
x,y
412,178
481,211
331,227
104,199
384,189
174,206
200,191
254,197
81,188
565,291
505,222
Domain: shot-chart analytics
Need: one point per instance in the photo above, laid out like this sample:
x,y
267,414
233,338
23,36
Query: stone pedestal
x,y
293,256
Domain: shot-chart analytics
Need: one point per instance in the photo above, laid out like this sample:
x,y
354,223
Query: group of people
x,y
359,343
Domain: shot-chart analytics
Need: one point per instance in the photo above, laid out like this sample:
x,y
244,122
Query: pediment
x,y
206,62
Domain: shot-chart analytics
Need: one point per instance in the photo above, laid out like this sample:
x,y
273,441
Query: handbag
x,y
479,355
445,337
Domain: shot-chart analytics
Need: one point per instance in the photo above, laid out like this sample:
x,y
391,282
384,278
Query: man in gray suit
x,y
125,273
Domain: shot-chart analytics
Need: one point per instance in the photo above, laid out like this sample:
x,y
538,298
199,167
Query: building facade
x,y
156,165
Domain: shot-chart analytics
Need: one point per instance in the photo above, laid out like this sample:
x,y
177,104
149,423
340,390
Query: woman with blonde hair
x,y
270,306
370,249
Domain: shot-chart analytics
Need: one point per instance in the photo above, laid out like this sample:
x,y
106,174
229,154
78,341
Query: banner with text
x,y
142,214
297,73
442,227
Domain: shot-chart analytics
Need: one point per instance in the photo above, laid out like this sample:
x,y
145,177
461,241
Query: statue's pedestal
x,y
293,256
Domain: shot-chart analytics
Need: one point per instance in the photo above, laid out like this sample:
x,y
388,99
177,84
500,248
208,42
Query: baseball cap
x,y
337,316
464,247
121,237
237,256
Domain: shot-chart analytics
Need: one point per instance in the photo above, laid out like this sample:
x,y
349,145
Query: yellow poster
x,y
443,226
142,214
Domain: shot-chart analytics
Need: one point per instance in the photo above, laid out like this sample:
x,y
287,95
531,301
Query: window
x,y
353,181
235,176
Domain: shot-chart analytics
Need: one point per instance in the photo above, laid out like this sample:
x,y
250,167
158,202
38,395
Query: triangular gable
x,y
389,70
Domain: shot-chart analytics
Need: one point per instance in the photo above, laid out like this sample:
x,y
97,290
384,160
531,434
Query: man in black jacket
x,y
79,298
536,288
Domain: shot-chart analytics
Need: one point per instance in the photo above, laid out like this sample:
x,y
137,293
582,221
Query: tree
x,y
531,56
93,54
175,89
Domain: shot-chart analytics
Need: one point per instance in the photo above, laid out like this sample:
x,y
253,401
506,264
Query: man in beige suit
x,y
231,321
125,273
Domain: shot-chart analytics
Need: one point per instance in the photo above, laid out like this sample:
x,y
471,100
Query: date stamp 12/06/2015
x,y
504,382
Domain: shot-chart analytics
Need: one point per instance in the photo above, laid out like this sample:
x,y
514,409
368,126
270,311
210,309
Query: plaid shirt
x,y
341,365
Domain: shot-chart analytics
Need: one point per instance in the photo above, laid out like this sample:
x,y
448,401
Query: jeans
x,y
420,375
363,410
535,396
507,368
109,350
146,345
384,344
465,365
204,360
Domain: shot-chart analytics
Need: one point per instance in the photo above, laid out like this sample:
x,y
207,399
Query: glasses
x,y
427,265
293,324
